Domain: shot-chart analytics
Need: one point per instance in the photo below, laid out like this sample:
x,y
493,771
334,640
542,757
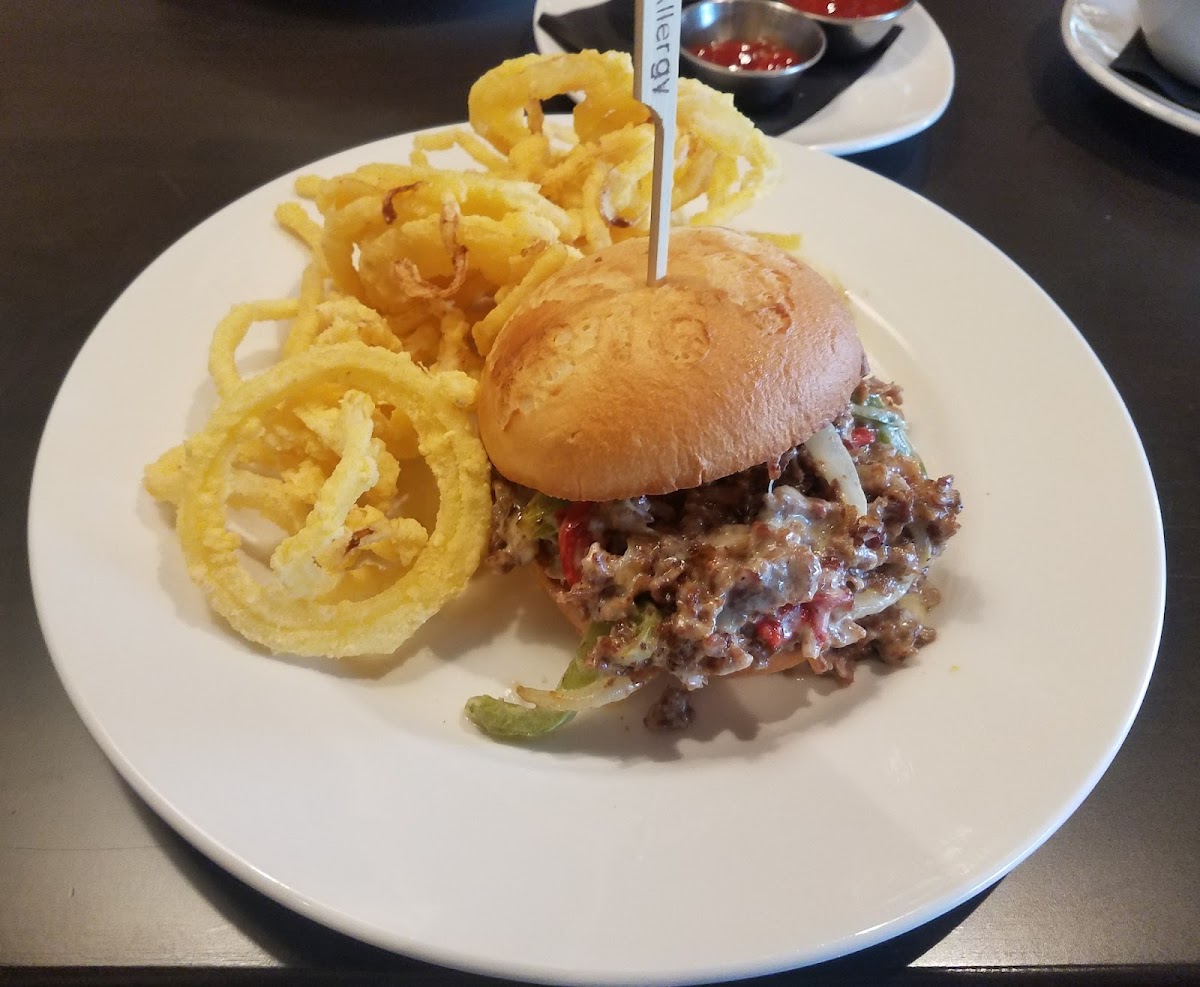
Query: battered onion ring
x,y
437,405
498,103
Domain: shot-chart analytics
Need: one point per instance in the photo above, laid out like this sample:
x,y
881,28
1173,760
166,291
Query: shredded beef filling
x,y
753,572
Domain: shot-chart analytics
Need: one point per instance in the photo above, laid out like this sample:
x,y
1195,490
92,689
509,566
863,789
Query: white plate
x,y
1095,32
906,91
797,821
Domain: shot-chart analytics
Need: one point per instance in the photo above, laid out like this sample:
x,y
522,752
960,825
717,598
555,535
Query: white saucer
x,y
903,93
1095,32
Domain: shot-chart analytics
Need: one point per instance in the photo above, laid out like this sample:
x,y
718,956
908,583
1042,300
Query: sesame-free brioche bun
x,y
600,387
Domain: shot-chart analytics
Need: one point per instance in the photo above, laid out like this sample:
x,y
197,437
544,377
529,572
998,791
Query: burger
x,y
703,475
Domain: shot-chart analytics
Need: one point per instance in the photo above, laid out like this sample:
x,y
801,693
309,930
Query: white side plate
x,y
903,93
1095,32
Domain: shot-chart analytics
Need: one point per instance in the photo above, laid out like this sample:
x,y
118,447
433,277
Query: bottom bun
x,y
556,593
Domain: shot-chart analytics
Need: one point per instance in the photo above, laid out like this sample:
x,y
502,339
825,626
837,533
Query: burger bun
x,y
601,387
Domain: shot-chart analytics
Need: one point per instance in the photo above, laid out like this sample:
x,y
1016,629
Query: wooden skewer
x,y
655,81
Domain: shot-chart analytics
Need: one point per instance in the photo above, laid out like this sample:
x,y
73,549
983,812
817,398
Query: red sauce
x,y
847,8
757,56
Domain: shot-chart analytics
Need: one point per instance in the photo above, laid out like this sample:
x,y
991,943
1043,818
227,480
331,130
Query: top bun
x,y
600,387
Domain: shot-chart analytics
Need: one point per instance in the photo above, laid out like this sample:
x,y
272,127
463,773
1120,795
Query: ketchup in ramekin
x,y
746,56
853,27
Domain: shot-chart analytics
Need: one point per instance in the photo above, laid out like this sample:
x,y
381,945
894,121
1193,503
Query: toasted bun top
x,y
600,387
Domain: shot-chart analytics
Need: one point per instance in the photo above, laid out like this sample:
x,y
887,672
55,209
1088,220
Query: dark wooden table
x,y
125,122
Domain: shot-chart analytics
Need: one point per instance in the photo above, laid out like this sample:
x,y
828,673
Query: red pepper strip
x,y
777,630
819,610
770,631
861,436
573,539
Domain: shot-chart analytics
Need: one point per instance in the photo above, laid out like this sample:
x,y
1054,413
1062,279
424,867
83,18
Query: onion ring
x,y
264,612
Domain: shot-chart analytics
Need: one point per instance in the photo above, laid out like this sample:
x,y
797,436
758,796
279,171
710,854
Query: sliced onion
x,y
836,467
913,603
873,600
921,542
692,680
605,690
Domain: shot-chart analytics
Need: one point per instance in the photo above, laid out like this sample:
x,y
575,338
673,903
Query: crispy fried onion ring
x,y
297,608
409,275
499,101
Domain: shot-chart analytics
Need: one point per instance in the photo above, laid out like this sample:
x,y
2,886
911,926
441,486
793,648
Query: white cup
x,y
1172,30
